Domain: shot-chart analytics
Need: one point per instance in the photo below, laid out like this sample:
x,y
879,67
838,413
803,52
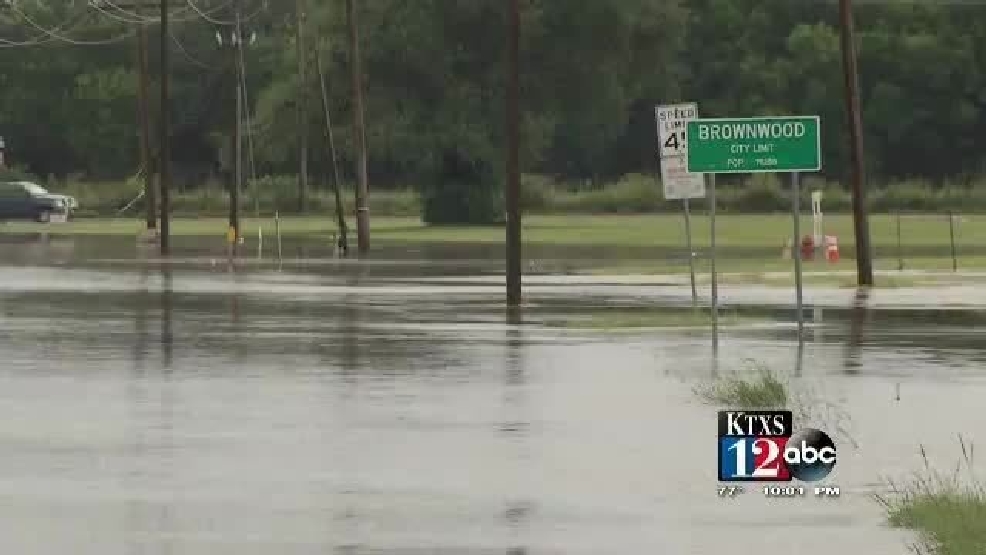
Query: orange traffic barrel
x,y
832,248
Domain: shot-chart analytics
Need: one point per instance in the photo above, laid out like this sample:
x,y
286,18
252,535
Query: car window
x,y
33,188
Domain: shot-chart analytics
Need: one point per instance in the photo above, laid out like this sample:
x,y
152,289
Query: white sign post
x,y
816,218
678,184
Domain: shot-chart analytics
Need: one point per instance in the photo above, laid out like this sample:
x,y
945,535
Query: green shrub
x,y
15,174
463,191
461,201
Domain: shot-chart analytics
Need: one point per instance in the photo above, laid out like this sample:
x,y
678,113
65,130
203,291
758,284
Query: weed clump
x,y
948,510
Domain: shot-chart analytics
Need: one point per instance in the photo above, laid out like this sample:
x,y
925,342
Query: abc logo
x,y
810,455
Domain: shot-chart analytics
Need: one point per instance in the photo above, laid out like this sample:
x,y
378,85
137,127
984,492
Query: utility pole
x,y
864,261
302,105
165,148
233,42
143,101
340,211
234,191
513,158
362,210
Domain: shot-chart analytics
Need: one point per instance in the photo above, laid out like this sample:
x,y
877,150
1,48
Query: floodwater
x,y
159,409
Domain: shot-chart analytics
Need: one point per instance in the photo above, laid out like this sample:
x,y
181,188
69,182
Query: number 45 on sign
x,y
673,122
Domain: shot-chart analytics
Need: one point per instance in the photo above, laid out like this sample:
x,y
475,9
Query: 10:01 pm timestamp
x,y
783,491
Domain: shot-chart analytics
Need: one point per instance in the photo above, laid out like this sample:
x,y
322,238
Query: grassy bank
x,y
742,230
747,243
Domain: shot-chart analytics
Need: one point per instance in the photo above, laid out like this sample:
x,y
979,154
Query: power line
x,y
136,18
60,37
179,15
186,54
120,14
207,16
42,38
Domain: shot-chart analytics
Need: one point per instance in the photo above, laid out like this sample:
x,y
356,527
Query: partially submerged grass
x,y
948,510
761,389
617,319
885,281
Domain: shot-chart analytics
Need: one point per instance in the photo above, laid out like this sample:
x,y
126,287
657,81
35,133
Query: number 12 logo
x,y
753,459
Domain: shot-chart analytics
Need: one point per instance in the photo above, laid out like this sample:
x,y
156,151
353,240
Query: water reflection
x,y
167,337
516,430
135,516
240,341
140,322
349,324
514,316
347,515
799,362
857,324
150,523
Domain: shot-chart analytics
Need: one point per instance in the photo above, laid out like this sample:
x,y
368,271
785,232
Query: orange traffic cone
x,y
831,248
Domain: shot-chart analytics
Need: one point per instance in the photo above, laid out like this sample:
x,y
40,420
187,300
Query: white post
x,y
816,218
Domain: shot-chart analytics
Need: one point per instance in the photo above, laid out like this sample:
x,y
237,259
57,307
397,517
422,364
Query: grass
x,y
948,510
758,390
617,319
926,238
738,230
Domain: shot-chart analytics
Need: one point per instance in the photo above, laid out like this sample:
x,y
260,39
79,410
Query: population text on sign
x,y
671,122
754,145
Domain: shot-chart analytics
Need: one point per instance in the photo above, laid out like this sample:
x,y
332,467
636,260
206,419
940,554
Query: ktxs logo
x,y
761,446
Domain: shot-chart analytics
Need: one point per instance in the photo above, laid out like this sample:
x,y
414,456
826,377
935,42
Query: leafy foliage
x,y
464,191
434,74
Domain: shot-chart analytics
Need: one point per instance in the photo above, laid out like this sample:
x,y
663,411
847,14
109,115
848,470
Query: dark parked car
x,y
24,200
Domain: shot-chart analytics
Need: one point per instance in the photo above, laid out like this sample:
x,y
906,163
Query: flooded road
x,y
198,411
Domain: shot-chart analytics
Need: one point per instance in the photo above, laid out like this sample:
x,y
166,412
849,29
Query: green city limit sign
x,y
754,145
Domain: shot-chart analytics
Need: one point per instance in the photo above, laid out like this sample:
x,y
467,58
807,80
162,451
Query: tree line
x,y
434,76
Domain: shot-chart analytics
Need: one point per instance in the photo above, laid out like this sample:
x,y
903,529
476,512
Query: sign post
x,y
760,145
675,179
712,267
796,213
817,230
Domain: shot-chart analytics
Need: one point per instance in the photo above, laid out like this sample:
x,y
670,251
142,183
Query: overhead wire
x,y
57,36
136,18
184,52
180,15
57,33
42,38
208,16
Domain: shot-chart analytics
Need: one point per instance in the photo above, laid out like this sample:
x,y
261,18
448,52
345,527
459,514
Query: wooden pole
x,y
513,238
362,209
234,191
300,17
340,211
165,148
143,101
864,262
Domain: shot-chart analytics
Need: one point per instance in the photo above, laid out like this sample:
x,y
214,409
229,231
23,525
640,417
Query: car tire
x,y
44,216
